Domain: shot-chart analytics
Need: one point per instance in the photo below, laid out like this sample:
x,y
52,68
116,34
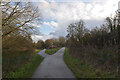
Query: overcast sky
x,y
58,14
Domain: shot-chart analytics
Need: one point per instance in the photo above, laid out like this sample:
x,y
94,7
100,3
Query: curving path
x,y
43,54
53,66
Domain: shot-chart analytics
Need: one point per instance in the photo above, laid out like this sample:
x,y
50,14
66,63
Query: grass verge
x,y
27,70
51,51
82,70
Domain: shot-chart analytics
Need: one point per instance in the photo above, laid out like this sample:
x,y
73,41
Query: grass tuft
x,y
51,51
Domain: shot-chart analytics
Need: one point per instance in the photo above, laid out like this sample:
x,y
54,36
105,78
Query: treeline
x,y
17,45
50,43
97,47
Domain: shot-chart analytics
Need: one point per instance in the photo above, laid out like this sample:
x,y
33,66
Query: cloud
x,y
35,38
52,23
34,25
93,13
78,9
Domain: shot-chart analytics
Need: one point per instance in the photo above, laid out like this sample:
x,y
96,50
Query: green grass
x,y
27,70
38,50
82,70
51,51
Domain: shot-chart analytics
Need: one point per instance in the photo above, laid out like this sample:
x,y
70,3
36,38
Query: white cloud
x,y
41,37
65,13
34,25
52,23
78,9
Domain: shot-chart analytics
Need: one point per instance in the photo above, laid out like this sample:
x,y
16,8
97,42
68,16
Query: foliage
x,y
16,39
97,47
51,51
26,70
40,44
82,70
54,43
62,41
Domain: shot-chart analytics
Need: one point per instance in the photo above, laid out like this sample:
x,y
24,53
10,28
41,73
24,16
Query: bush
x,y
82,70
25,70
51,51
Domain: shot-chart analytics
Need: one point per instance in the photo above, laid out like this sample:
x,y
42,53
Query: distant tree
x,y
62,41
56,42
48,43
40,44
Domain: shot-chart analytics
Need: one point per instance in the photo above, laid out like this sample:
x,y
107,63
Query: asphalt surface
x,y
53,66
43,54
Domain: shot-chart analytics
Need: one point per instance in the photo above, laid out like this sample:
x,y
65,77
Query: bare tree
x,y
16,15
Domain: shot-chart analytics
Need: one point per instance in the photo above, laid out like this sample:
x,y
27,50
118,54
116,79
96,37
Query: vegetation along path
x,y
53,66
